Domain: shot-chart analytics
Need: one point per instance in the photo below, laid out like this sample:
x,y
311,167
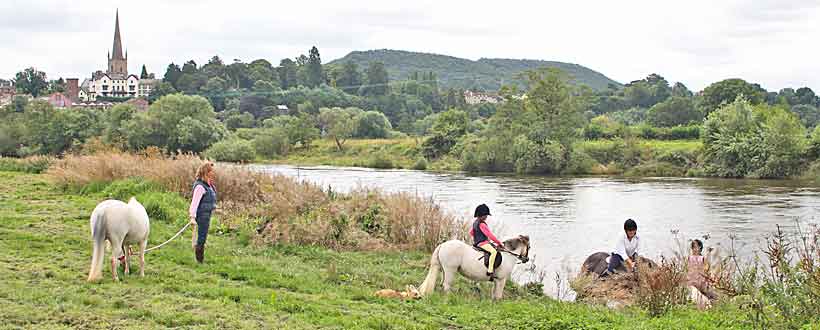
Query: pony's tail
x,y
429,284
98,240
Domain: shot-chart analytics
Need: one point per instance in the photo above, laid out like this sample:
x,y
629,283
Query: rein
x,y
171,239
521,258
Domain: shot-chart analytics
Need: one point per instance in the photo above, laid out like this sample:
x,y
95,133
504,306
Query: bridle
x,y
523,258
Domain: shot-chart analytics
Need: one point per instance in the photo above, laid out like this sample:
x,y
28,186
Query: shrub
x,y
579,162
541,158
33,164
164,206
660,289
380,159
814,144
271,142
125,189
421,164
764,142
272,209
232,150
656,169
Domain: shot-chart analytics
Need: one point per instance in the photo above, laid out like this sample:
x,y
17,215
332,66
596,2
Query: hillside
x,y
486,73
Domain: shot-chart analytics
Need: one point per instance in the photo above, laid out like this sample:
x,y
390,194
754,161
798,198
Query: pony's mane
x,y
513,242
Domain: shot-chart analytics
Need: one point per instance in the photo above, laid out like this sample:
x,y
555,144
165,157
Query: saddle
x,y
486,256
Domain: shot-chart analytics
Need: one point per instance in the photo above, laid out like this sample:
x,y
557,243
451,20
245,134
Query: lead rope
x,y
171,239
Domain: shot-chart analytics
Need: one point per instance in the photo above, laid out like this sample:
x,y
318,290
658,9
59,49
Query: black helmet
x,y
482,210
630,225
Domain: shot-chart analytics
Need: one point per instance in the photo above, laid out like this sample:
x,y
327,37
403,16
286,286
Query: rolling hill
x,y
486,73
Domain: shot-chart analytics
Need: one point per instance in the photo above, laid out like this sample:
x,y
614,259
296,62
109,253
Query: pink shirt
x,y
695,275
486,230
198,193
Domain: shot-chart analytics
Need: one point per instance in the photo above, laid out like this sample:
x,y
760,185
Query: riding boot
x,y
199,250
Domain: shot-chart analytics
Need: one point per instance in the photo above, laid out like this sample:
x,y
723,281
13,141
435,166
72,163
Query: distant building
x,y
477,98
59,100
115,81
139,103
7,91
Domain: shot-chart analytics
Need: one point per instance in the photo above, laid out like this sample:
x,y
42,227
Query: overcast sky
x,y
774,43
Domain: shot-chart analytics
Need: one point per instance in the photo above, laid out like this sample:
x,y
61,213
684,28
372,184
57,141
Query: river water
x,y
568,218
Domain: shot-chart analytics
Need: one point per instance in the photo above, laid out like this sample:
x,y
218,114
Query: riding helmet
x,y
482,210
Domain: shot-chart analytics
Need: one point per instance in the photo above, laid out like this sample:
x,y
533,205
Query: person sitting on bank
x,y
697,272
482,236
202,205
626,248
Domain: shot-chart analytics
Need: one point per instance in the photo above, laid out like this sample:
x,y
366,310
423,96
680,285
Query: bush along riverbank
x,y
289,255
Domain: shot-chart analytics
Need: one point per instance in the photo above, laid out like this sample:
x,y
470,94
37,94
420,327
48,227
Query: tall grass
x,y
277,209
33,164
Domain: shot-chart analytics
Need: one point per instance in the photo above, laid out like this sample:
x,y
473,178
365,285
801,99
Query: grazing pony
x,y
455,256
121,225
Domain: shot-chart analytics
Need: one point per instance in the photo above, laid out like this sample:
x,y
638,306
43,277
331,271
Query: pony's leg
x,y
498,288
449,276
127,259
143,245
116,250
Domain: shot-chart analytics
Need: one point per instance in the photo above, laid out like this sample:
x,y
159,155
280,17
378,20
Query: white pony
x,y
456,256
121,225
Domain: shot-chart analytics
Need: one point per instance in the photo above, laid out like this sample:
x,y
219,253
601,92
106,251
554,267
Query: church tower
x,y
117,63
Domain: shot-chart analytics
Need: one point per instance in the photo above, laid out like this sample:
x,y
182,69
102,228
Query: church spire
x,y
117,40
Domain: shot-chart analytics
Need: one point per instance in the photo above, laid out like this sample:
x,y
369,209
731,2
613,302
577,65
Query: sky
x,y
773,43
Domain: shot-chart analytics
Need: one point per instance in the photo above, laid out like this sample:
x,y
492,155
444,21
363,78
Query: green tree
x,y
742,141
144,73
350,79
806,96
673,112
49,131
338,124
680,90
172,74
164,88
315,74
214,90
377,80
114,121
190,83
262,70
271,142
190,67
231,150
448,128
287,74
31,81
726,91
176,122
809,115
557,107
214,68
372,124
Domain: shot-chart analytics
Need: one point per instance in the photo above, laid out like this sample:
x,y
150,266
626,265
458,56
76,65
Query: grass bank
x,y
45,253
606,157
403,153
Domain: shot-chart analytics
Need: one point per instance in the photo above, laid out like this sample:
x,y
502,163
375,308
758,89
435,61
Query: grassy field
x,y
45,253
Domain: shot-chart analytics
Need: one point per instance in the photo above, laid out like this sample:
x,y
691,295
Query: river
x,y
568,218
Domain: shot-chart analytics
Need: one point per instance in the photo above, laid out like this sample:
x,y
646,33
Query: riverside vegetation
x,y
289,255
546,121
